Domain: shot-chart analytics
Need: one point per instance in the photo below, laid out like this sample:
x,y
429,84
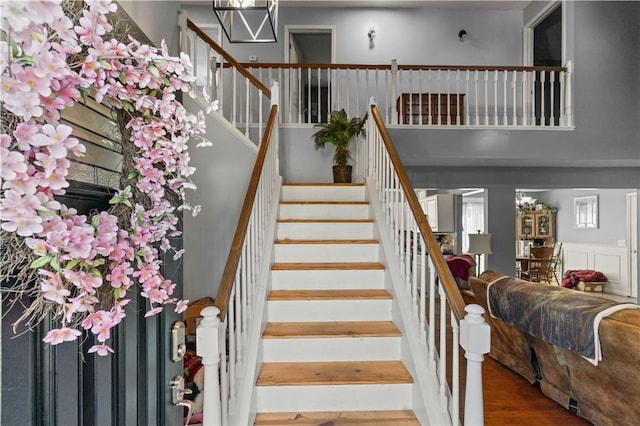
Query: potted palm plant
x,y
339,131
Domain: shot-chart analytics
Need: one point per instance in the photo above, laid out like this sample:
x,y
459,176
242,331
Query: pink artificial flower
x,y
11,163
152,312
25,104
59,335
51,135
182,306
92,319
5,141
81,303
52,287
178,254
102,349
33,82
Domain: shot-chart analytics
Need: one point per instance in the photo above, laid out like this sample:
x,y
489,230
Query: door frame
x,y
309,29
527,32
632,241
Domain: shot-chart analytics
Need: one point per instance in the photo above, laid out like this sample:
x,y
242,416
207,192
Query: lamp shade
x,y
480,243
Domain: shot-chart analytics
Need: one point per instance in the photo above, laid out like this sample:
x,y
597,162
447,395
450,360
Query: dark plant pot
x,y
342,174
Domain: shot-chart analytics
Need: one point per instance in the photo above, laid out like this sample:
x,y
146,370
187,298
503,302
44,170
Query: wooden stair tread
x,y
292,330
333,373
356,294
325,220
332,241
321,184
326,418
347,203
320,266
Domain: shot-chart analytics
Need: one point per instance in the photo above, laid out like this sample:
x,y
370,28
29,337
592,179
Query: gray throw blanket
x,y
566,318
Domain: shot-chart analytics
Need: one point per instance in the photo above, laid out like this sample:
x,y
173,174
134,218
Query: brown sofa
x,y
606,394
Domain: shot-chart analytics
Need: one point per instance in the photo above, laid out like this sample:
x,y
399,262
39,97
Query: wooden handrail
x,y
228,276
400,67
446,278
264,89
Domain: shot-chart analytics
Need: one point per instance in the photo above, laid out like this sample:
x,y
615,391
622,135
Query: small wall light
x,y
462,35
371,35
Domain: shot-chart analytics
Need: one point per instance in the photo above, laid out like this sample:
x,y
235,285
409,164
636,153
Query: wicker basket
x,y
590,286
342,174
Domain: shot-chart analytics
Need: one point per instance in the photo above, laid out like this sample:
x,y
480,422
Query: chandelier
x,y
248,21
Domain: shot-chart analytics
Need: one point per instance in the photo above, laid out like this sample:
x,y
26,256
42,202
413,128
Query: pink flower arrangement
x,y
39,80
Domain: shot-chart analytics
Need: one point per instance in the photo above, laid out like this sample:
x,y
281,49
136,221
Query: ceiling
x,y
448,4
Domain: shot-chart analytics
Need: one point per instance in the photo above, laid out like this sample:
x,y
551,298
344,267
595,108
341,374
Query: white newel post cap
x,y
475,333
207,335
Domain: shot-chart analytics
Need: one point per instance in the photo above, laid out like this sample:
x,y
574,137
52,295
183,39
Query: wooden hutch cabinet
x,y
431,106
536,225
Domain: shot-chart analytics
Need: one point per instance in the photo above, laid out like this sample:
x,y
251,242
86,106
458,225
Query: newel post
x,y
568,103
207,347
394,91
475,339
275,93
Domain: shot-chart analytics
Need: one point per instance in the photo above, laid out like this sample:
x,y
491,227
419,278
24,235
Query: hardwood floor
x,y
511,400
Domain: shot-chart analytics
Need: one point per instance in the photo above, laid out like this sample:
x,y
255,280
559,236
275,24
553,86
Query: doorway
x,y
309,87
544,37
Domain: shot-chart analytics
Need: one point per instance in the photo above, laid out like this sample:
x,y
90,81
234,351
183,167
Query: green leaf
x,y
97,262
122,79
127,107
127,203
119,293
54,264
139,262
72,264
153,70
95,272
127,190
115,200
41,261
106,65
95,221
133,175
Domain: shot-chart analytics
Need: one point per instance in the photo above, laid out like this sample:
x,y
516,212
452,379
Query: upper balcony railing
x,y
409,95
425,95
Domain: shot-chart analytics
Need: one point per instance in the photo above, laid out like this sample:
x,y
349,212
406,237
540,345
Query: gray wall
x,y
611,217
410,35
158,20
222,176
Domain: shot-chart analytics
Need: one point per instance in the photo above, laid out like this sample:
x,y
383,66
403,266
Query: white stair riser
x,y
325,211
329,310
324,230
323,193
327,280
333,398
331,349
326,252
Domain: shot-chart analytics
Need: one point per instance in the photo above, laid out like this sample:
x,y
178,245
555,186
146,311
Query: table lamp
x,y
479,244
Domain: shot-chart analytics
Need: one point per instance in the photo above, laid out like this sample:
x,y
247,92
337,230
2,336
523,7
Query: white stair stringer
x,y
433,409
329,225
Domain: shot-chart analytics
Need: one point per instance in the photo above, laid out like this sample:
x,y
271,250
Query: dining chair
x,y
539,268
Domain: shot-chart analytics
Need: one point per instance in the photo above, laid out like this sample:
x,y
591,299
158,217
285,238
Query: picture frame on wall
x,y
585,212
